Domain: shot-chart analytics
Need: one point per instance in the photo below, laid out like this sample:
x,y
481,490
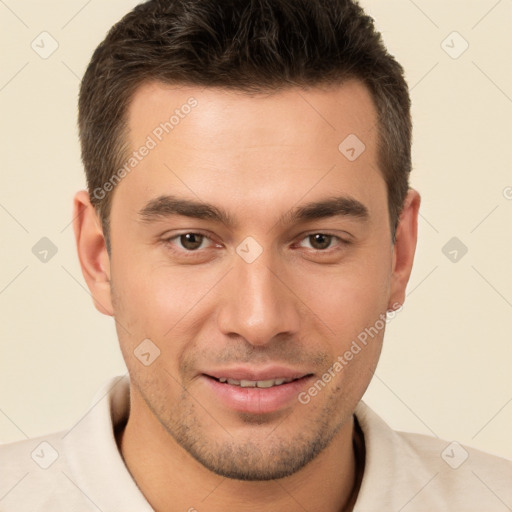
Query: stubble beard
x,y
275,455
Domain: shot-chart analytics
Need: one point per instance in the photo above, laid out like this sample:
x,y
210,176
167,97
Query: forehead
x,y
255,149
218,111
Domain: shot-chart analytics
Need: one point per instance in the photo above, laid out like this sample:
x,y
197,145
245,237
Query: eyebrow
x,y
168,205
343,206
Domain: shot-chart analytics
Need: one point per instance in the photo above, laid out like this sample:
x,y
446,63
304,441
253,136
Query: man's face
x,y
268,286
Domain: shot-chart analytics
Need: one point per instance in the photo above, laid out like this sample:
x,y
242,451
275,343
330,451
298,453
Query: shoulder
x,y
35,476
462,471
36,453
428,473
77,469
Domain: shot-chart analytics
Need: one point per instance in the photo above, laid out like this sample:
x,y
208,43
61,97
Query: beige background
x,y
446,364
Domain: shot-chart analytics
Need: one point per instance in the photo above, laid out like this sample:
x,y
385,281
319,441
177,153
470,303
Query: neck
x,y
171,479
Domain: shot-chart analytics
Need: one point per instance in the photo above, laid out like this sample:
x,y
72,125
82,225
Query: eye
x,y
319,241
189,241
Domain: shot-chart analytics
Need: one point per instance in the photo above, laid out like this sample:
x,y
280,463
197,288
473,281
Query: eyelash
x,y
183,251
198,252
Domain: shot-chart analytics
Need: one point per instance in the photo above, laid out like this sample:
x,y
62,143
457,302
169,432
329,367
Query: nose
x,y
257,303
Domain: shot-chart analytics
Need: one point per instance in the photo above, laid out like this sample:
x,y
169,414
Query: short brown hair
x,y
254,46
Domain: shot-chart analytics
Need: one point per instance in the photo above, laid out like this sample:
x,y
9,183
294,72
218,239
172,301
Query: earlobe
x,y
404,248
92,252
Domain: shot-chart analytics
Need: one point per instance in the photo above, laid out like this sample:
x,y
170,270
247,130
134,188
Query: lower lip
x,y
257,400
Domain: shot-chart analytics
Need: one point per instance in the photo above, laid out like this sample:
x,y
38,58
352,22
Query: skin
x,y
300,304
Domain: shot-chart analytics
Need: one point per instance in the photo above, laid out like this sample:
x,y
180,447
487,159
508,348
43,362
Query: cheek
x,y
156,300
351,297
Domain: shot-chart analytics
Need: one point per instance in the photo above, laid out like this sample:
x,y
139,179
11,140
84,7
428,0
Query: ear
x,y
404,248
92,252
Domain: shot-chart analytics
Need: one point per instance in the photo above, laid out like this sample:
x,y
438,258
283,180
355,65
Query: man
x,y
249,226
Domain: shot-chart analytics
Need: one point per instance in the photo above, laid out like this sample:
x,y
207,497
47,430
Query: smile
x,y
269,383
255,392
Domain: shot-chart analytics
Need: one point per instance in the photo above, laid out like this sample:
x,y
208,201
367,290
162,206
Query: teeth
x,y
248,384
265,383
254,383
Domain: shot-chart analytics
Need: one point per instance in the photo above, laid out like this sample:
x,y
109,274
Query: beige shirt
x,y
81,469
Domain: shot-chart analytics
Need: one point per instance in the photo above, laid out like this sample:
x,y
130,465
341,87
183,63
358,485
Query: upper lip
x,y
256,374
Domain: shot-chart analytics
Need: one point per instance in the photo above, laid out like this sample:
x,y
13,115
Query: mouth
x,y
263,384
256,392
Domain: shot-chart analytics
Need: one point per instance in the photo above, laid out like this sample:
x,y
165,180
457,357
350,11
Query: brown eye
x,y
319,241
191,241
